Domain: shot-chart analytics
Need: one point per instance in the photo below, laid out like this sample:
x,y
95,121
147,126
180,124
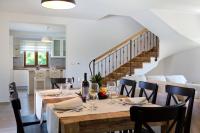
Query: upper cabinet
x,y
59,48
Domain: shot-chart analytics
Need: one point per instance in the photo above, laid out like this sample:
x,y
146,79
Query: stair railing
x,y
117,56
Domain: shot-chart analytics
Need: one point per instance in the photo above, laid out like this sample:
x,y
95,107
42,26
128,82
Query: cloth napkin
x,y
50,92
69,104
136,100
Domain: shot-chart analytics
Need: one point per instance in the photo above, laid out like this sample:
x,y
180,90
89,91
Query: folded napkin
x,y
50,92
69,104
135,100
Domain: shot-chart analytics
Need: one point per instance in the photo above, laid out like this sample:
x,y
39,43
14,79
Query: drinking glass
x,y
111,85
94,95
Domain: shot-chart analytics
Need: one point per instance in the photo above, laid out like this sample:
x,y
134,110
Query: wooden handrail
x,y
112,50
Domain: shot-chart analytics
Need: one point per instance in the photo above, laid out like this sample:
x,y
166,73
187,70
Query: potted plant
x,y
97,79
97,85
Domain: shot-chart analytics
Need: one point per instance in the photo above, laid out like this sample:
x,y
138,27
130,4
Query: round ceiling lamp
x,y
58,4
47,39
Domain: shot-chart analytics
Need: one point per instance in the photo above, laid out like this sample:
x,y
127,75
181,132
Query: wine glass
x,y
94,95
111,85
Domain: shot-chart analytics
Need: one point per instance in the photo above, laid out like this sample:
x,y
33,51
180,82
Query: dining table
x,y
94,116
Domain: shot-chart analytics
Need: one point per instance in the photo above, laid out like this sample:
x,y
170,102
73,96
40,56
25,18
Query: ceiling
x,y
36,31
95,9
30,27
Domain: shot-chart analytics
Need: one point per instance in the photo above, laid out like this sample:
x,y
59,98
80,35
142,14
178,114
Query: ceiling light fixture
x,y
58,4
47,39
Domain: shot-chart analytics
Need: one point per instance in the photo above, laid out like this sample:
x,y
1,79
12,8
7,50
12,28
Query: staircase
x,y
127,56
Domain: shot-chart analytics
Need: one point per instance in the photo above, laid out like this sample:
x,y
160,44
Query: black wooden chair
x,y
13,89
186,92
56,81
128,89
151,87
127,83
142,115
22,121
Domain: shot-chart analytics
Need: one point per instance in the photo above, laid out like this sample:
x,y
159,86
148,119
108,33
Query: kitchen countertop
x,y
33,69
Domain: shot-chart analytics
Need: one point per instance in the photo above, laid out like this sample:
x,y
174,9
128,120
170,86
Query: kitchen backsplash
x,y
18,63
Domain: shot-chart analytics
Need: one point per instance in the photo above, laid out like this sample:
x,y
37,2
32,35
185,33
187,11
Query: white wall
x,y
4,60
91,39
186,63
86,39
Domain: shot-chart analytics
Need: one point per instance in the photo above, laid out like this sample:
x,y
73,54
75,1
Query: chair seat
x,y
30,120
36,128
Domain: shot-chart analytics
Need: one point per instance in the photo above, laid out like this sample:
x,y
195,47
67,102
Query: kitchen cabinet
x,y
59,48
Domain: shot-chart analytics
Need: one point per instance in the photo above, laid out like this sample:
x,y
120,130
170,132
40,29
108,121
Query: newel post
x,y
93,64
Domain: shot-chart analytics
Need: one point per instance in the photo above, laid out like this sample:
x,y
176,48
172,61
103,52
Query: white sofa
x,y
162,80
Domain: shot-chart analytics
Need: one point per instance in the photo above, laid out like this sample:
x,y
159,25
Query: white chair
x,y
40,78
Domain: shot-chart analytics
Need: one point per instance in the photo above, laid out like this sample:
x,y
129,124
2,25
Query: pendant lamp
x,y
58,4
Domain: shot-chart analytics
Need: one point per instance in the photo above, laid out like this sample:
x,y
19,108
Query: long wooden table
x,y
98,123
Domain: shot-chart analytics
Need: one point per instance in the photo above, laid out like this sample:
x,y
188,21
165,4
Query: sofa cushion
x,y
156,78
180,79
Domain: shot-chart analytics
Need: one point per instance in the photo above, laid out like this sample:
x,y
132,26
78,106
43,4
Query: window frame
x,y
36,60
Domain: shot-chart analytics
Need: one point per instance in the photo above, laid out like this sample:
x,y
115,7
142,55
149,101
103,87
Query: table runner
x,y
103,106
51,96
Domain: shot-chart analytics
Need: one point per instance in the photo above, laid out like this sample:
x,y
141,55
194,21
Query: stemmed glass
x,y
94,95
111,85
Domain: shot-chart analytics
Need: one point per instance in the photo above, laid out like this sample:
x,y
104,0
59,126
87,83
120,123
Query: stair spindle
x,y
123,55
105,66
120,57
113,67
130,55
101,67
109,64
127,53
98,67
116,59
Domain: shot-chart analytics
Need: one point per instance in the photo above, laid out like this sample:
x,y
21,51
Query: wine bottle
x,y
85,88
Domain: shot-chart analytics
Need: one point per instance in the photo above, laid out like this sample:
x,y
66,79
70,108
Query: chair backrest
x,y
70,80
56,81
128,83
182,91
142,115
16,105
13,90
150,87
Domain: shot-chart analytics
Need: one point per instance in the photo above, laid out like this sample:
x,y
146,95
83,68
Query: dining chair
x,y
56,81
142,116
189,93
13,89
144,86
22,121
127,87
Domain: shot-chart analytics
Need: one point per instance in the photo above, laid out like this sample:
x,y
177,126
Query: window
x,y
34,58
